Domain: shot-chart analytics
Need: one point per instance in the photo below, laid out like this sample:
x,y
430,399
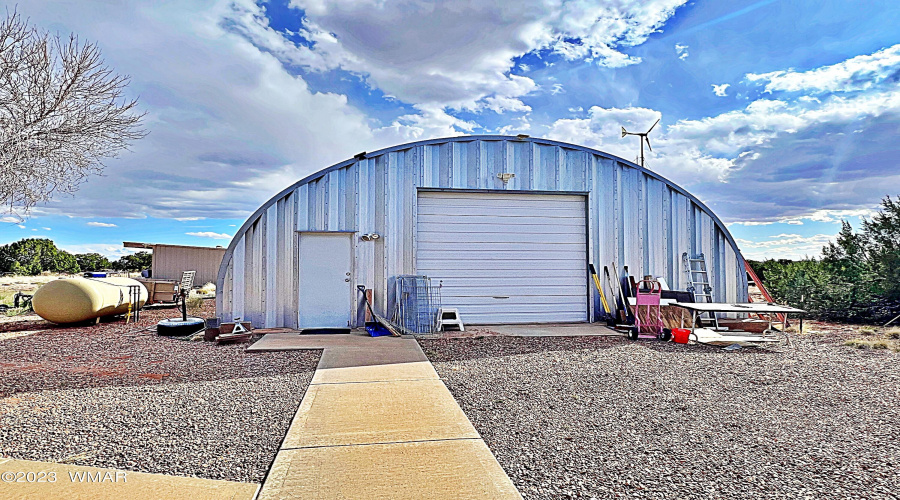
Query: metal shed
x,y
507,225
169,261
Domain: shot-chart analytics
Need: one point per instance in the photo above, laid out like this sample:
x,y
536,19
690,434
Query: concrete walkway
x,y
51,481
377,422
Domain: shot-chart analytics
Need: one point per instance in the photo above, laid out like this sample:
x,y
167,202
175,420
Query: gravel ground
x,y
116,395
605,417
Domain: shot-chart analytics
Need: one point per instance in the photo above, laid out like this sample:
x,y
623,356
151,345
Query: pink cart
x,y
648,323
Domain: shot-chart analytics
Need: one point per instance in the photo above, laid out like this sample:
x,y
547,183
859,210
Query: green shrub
x,y
857,279
32,256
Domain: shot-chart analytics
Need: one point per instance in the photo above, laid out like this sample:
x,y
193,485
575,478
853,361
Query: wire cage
x,y
418,302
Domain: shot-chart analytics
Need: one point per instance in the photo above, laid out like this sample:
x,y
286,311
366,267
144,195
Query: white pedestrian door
x,y
325,280
505,258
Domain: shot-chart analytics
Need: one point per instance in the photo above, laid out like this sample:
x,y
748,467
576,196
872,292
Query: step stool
x,y
449,316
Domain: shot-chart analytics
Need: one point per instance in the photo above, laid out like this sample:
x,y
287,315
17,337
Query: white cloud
x,y
501,104
784,246
750,223
839,215
858,73
186,219
46,228
834,216
100,224
430,121
459,54
602,129
775,160
682,51
719,90
111,250
230,120
210,234
223,115
517,126
9,219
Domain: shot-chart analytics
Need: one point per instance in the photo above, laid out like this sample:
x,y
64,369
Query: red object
x,y
680,335
763,291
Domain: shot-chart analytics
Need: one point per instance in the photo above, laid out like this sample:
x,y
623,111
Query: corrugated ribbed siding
x,y
634,218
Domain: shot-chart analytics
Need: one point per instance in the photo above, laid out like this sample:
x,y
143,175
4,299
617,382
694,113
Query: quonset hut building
x,y
506,225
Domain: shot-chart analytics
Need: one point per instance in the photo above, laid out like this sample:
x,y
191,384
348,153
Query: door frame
x,y
351,303
585,195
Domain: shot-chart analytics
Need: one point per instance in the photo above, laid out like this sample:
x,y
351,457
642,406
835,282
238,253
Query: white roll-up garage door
x,y
505,258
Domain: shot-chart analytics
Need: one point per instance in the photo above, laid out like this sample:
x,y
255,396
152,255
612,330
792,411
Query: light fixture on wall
x,y
370,236
505,177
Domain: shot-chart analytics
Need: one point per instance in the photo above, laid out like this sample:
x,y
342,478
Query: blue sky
x,y
781,115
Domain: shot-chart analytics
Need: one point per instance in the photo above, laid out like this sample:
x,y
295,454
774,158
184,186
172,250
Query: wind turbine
x,y
643,137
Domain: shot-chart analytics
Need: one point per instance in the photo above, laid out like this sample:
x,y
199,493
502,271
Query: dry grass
x,y
11,285
876,338
893,333
795,328
866,344
867,330
194,305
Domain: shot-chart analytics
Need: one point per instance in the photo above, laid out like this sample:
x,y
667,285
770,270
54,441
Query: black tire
x,y
633,333
176,327
666,335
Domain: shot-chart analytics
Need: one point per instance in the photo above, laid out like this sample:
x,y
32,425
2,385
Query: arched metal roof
x,y
467,138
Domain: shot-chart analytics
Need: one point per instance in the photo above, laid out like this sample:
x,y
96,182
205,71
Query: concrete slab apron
x,y
377,422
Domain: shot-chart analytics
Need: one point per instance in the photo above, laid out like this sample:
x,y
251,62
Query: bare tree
x,y
62,112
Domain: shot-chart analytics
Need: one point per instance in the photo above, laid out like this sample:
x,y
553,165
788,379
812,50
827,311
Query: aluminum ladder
x,y
699,287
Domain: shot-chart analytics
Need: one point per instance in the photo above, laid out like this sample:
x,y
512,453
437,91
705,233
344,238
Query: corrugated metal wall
x,y
636,219
169,261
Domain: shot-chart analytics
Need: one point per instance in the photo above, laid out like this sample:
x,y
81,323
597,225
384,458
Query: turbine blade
x,y
651,127
624,133
648,143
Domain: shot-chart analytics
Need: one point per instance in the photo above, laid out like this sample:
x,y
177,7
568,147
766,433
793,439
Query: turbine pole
x,y
642,136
